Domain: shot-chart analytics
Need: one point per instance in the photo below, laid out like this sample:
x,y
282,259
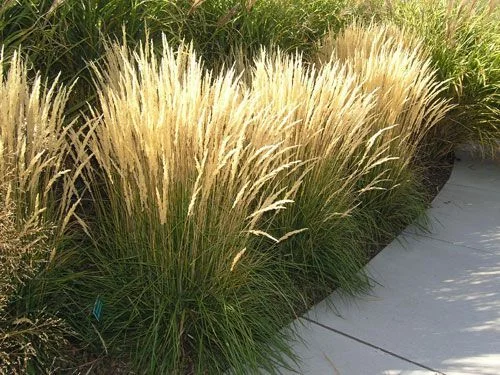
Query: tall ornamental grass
x,y
393,66
184,181
330,119
35,207
217,205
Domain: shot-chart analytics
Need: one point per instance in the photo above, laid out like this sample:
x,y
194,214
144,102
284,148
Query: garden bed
x,y
175,204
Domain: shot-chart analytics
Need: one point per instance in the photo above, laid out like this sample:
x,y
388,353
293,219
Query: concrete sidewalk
x,y
437,308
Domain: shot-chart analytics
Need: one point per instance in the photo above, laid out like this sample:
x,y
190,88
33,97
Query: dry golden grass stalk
x,y
328,115
195,5
33,146
392,66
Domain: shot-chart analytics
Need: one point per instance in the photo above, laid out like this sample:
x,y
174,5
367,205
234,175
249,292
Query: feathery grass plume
x,y
404,85
330,118
184,175
356,33
407,106
32,215
33,146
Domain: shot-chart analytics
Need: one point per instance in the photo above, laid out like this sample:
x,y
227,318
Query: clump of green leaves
x,y
65,36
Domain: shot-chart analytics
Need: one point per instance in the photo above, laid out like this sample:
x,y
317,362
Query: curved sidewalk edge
x,y
437,308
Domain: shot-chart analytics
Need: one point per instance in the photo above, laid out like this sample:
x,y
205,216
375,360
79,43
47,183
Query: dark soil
x,y
436,175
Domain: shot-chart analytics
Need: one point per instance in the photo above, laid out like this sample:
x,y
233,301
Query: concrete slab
x,y
437,304
472,172
324,352
465,216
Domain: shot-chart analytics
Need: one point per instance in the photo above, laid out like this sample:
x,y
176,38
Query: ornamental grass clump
x,y
393,66
33,147
32,154
330,119
394,69
223,206
184,180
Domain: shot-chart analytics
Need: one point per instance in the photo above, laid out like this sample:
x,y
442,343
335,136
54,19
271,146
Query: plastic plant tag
x,y
97,310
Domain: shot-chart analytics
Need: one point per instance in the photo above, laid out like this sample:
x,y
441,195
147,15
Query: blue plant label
x,y
97,310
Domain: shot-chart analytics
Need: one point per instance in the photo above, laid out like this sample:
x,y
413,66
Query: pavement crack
x,y
472,187
375,347
447,242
